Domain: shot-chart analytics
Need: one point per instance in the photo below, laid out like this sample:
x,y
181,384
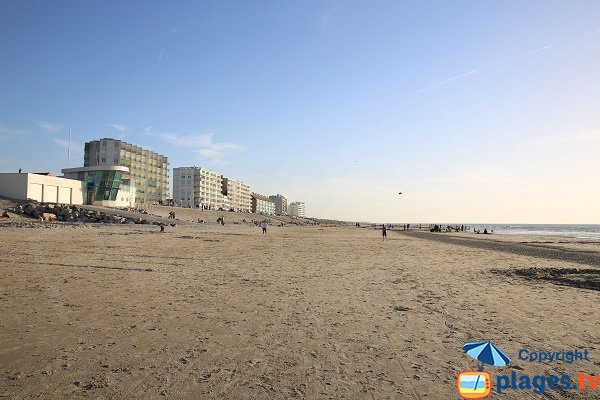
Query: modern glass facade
x,y
108,186
148,170
104,185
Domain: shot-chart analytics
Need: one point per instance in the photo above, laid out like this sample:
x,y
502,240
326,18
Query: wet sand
x,y
217,312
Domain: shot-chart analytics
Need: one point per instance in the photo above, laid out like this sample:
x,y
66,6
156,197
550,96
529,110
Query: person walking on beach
x,y
264,225
384,231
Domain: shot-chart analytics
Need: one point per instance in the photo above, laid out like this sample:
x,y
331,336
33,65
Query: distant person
x,y
162,227
20,170
383,231
485,232
264,225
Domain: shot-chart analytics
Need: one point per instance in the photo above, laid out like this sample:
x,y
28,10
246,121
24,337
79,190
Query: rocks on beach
x,y
50,212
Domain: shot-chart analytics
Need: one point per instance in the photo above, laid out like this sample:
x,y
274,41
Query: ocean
x,y
572,231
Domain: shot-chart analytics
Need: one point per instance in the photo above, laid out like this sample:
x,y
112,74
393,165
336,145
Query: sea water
x,y
573,231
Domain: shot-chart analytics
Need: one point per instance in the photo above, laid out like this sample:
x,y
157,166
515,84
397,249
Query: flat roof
x,y
261,197
96,168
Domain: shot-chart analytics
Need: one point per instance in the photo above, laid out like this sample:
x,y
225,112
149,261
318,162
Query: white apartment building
x,y
237,194
298,209
198,187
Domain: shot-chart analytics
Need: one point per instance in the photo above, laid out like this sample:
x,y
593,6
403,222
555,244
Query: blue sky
x,y
476,111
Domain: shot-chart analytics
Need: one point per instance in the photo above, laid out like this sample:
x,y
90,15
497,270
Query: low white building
x,y
107,186
41,187
297,209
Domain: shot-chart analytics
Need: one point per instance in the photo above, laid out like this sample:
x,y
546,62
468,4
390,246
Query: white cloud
x,y
76,148
120,127
7,133
502,61
446,81
160,57
216,151
50,126
541,48
201,144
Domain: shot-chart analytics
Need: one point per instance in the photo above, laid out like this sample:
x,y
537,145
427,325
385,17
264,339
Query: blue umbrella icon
x,y
486,353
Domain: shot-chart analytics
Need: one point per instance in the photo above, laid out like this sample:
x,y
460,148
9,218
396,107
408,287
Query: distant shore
x,y
565,249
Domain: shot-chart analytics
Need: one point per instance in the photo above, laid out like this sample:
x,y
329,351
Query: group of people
x,y
457,228
171,215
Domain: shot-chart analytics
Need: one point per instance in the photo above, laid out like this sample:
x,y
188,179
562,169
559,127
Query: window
x,y
103,159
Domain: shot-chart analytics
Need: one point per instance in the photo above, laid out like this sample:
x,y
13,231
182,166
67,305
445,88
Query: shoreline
x,y
573,250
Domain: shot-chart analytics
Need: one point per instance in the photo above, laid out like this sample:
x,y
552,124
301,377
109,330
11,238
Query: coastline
x,y
559,248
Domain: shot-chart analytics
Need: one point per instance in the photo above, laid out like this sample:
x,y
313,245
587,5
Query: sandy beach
x,y
224,312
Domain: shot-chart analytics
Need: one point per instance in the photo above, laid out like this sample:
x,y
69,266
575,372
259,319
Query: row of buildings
x,y
197,187
119,174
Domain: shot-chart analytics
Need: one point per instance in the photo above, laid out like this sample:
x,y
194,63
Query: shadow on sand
x,y
580,278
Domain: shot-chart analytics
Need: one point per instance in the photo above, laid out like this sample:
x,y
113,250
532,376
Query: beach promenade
x,y
224,312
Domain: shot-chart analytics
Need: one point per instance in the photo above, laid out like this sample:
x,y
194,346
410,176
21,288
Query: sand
x,y
224,312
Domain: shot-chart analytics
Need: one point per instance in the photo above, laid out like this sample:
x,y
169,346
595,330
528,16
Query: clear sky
x,y
477,111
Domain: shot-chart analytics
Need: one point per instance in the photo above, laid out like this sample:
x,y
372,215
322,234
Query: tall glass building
x,y
148,171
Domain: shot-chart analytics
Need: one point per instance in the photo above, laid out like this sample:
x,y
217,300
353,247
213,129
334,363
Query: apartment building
x,y
281,205
297,209
198,187
262,205
237,194
148,171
